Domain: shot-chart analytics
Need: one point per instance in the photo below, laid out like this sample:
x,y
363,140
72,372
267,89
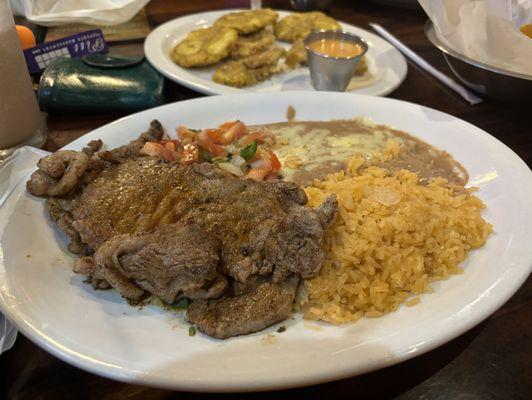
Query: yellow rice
x,y
392,237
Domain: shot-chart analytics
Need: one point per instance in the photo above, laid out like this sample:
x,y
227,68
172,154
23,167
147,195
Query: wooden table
x,y
491,361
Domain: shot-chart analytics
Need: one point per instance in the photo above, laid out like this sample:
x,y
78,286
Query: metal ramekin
x,y
332,73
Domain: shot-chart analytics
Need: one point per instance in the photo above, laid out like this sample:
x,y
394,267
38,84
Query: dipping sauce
x,y
336,48
527,30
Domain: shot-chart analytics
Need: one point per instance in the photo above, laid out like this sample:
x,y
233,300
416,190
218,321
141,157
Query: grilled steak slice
x,y
252,311
58,212
172,260
61,173
58,173
261,227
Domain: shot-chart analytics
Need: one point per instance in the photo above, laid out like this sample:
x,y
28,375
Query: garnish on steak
x,y
144,225
233,147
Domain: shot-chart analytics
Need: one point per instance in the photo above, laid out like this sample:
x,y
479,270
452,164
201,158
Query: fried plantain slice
x,y
299,25
250,70
236,74
246,22
268,57
296,55
204,47
249,45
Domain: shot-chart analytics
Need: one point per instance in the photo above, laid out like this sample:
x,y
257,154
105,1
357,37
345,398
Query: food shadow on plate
x,y
58,236
299,79
108,298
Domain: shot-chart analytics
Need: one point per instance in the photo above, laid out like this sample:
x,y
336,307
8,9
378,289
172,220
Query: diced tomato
x,y
190,154
183,132
158,150
255,135
170,146
262,163
276,164
152,149
174,141
265,160
227,125
206,143
227,133
215,135
257,174
234,132
261,159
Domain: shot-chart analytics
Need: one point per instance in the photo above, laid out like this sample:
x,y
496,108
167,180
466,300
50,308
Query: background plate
x,y
386,63
100,332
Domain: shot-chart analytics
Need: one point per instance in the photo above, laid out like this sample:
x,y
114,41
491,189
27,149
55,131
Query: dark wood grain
x,y
491,361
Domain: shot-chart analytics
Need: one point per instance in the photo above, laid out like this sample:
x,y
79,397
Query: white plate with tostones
x,y
101,333
387,67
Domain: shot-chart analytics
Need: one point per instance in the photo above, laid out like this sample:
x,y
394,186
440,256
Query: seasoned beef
x,y
264,305
61,173
171,260
263,228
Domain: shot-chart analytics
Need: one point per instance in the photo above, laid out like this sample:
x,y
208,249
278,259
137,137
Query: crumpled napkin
x,y
485,30
92,12
12,171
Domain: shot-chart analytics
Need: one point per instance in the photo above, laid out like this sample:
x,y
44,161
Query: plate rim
x,y
76,359
151,48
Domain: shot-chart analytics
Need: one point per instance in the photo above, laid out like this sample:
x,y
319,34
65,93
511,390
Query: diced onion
x,y
383,195
238,161
232,169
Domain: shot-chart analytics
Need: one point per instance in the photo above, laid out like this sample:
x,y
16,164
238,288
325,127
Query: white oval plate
x,y
98,331
386,64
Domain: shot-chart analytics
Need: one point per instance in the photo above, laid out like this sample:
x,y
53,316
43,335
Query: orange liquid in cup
x,y
527,30
336,48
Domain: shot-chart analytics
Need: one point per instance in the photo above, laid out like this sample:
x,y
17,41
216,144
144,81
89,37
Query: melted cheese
x,y
317,146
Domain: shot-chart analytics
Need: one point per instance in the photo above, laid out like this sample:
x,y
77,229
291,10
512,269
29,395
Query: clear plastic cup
x,y
21,121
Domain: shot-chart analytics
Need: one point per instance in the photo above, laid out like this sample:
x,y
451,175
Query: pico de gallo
x,y
235,148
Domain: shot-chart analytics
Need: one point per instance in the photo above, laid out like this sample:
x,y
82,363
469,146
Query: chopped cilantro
x,y
249,151
192,330
222,160
281,329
